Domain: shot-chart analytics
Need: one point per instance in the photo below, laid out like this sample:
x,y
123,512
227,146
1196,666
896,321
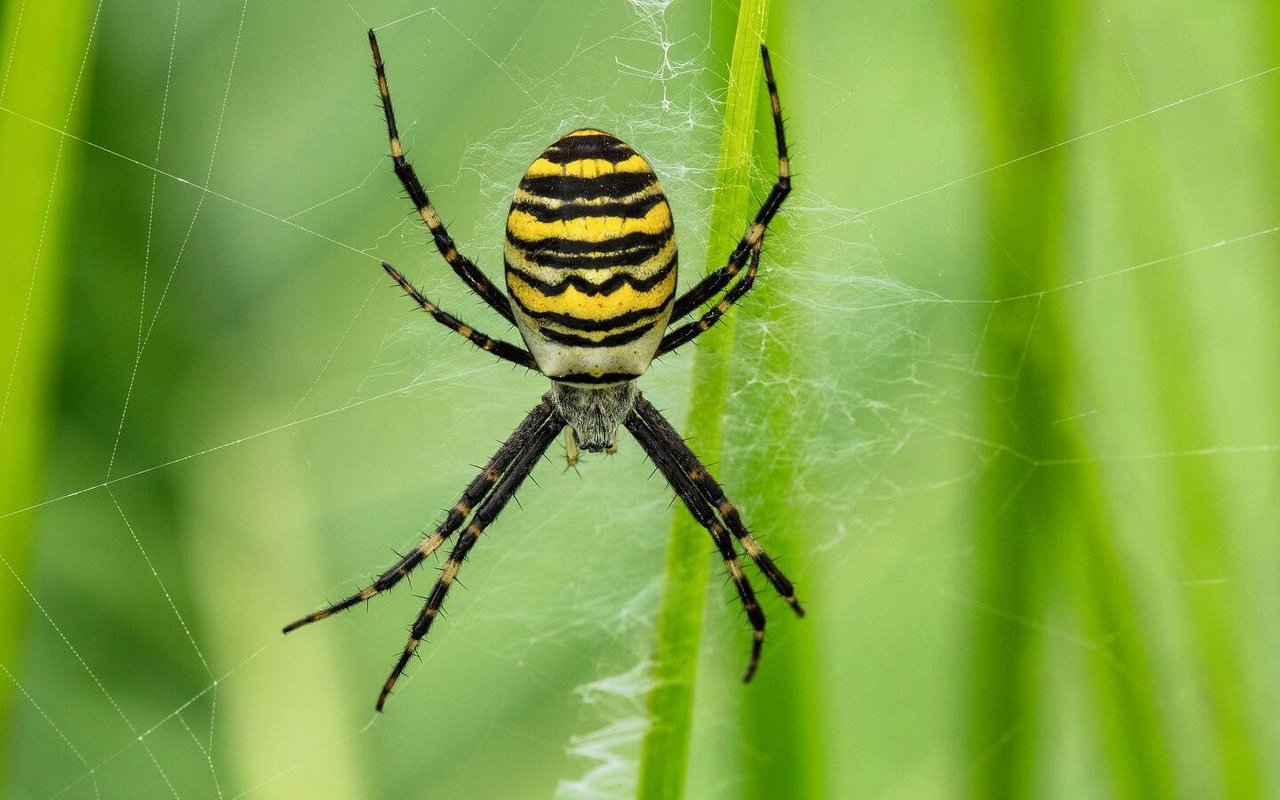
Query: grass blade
x,y
1041,505
50,41
665,752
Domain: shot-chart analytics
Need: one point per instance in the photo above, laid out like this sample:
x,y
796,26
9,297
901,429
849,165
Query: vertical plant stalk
x,y
1020,510
665,752
785,732
1198,494
1042,526
43,49
785,737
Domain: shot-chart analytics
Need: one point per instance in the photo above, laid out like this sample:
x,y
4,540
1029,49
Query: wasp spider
x,y
590,264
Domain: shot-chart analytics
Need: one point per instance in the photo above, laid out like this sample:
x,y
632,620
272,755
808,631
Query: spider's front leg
x,y
748,247
462,266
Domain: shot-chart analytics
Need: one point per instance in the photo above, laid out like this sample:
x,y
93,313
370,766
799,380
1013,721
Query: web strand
x,y
599,606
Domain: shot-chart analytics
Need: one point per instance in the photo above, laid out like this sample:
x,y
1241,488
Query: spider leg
x,y
713,494
691,330
462,266
714,282
525,436
501,349
536,439
655,435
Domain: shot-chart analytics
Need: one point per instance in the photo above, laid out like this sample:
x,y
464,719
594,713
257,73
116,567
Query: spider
x,y
590,263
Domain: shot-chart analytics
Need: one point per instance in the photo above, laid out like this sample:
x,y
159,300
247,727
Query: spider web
x,y
249,420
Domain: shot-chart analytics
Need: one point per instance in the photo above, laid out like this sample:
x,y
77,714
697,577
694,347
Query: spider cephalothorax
x,y
593,414
590,264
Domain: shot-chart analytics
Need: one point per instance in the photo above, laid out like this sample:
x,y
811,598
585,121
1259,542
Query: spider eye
x,y
595,445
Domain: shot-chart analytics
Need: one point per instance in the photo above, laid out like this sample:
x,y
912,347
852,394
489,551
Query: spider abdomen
x,y
591,259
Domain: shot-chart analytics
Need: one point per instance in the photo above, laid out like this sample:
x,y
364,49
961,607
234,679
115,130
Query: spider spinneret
x,y
590,263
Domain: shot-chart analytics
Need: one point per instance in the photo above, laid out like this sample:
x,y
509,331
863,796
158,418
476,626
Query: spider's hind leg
x,y
465,269
668,451
534,441
486,495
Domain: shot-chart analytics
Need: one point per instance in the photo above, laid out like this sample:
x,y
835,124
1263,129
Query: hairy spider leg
x,y
536,441
522,439
690,465
692,330
501,349
462,266
714,282
653,433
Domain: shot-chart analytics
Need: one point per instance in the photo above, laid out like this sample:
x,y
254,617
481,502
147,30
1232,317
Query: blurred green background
x,y
1004,403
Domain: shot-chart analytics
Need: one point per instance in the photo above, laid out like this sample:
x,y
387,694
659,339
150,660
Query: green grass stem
x,y
665,752
39,184
784,731
1199,522
1033,517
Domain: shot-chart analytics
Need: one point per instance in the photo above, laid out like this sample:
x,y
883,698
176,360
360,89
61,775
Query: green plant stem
x,y
665,752
1202,525
784,728
39,165
785,753
1033,518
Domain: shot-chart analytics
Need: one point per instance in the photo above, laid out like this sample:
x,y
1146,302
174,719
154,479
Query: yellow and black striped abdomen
x,y
591,259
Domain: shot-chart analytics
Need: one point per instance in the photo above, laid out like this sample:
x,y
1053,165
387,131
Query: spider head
x,y
592,445
594,413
